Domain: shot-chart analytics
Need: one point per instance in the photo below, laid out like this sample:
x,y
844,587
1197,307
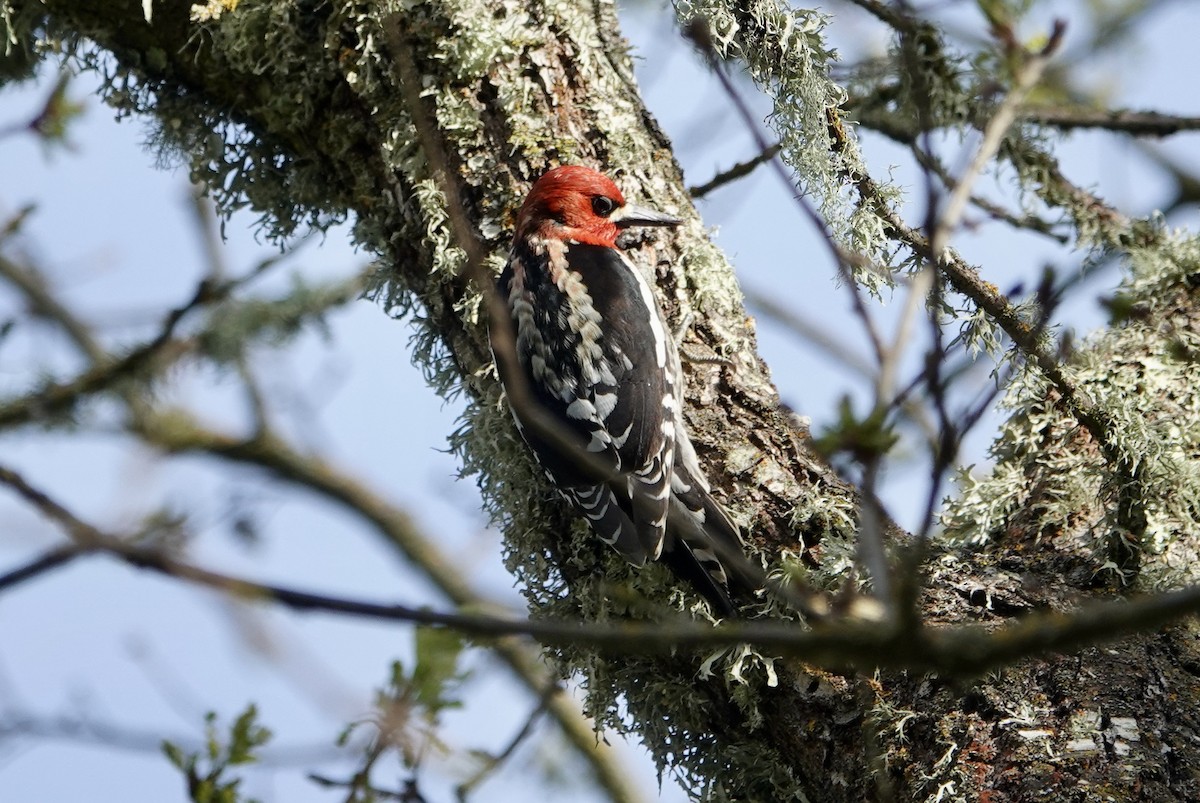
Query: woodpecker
x,y
595,358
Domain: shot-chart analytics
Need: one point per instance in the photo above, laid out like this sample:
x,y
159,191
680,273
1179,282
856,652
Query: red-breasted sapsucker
x,y
596,358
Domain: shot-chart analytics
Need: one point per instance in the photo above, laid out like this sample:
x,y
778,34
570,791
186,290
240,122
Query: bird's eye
x,y
603,206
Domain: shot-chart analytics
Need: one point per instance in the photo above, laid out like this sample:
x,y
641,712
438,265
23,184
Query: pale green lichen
x,y
709,283
485,33
824,512
783,50
211,10
448,257
1148,386
21,45
979,331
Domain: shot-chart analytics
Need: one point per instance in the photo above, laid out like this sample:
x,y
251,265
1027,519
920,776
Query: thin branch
x,y
994,210
43,304
894,15
831,344
493,762
966,280
409,794
960,650
1186,182
994,132
45,563
270,453
107,371
80,532
956,651
928,287
739,170
209,233
17,724
1136,123
699,33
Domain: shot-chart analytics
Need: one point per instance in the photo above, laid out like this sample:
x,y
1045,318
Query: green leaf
x,y
175,755
436,677
864,438
211,784
246,736
58,114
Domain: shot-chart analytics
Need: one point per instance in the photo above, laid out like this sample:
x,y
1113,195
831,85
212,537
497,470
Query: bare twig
x,y
409,794
833,345
1126,121
965,279
47,562
107,370
493,762
994,210
43,304
739,170
994,132
113,736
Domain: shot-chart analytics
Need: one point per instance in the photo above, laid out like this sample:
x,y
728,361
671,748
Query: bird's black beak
x,y
631,215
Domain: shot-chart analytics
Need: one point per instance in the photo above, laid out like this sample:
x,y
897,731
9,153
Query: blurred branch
x,y
409,794
47,562
43,304
955,651
209,233
177,432
84,730
107,370
994,132
1029,221
1187,183
492,763
965,279
832,344
895,15
1140,124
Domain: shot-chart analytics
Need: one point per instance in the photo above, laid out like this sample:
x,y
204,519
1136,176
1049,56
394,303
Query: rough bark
x,y
313,98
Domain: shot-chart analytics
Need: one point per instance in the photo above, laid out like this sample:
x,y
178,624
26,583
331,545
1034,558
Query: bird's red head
x,y
578,203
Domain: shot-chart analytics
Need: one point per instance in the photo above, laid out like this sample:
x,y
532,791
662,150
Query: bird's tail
x,y
706,547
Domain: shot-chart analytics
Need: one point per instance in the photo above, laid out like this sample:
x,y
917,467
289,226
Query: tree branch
x,y
1126,121
957,651
46,563
737,171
